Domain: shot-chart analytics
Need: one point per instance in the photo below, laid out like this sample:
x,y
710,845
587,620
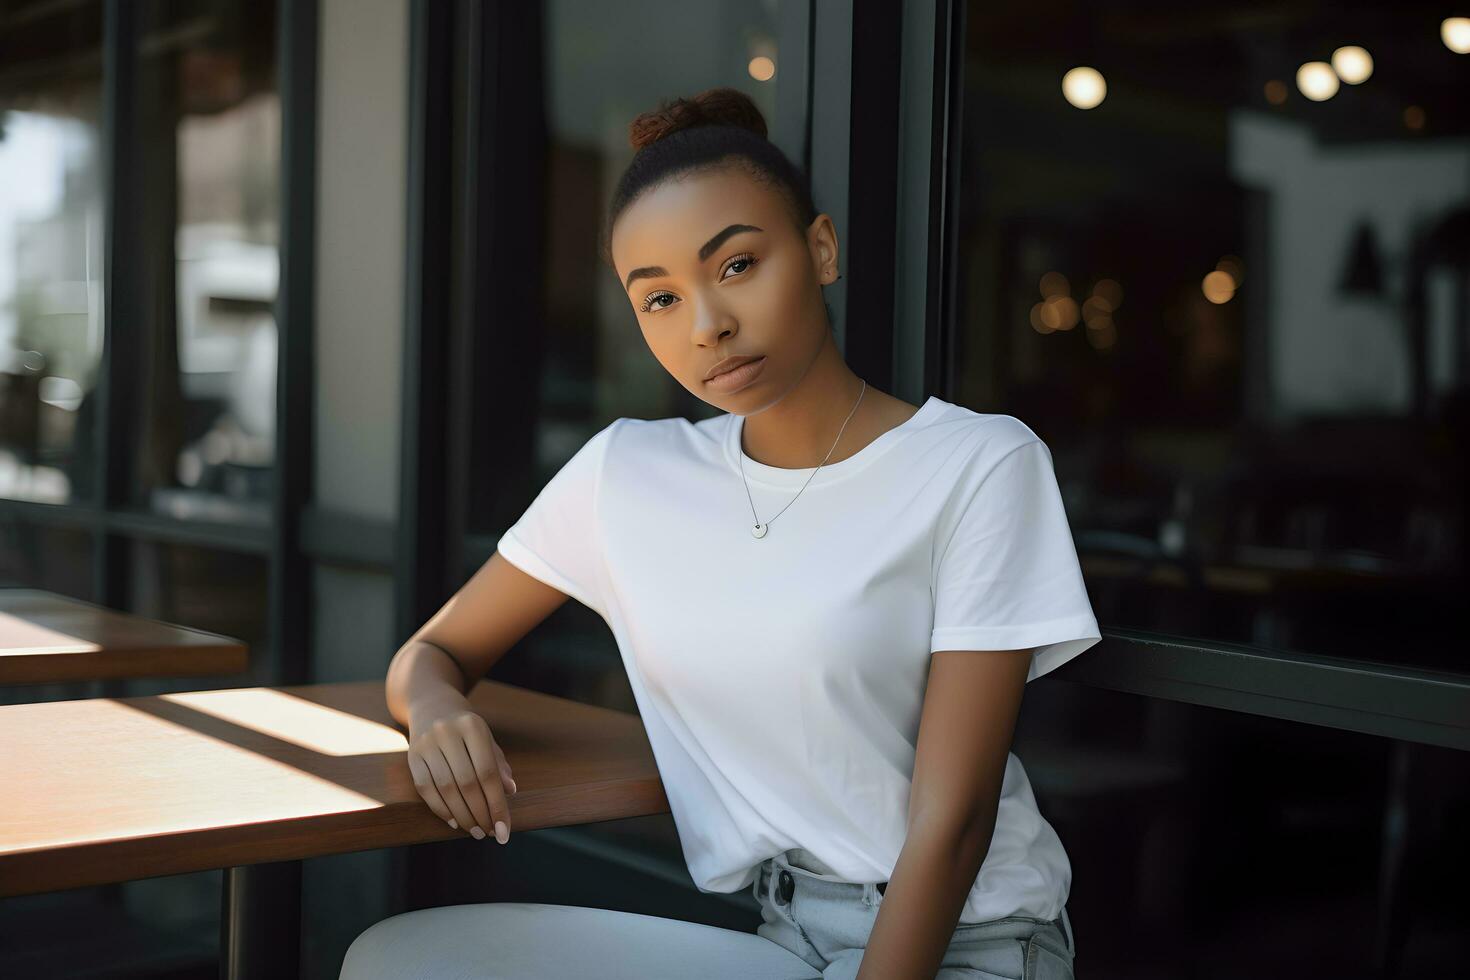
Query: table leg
x,y
1393,865
260,922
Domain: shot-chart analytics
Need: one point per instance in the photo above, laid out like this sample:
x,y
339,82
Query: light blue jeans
x,y
826,921
820,933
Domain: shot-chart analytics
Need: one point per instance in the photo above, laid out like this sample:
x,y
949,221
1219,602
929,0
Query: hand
x,y
460,771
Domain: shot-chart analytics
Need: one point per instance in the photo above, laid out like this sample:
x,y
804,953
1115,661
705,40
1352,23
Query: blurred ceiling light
x,y
1096,313
1276,91
1317,81
1352,64
1110,292
1218,287
1232,267
1414,117
1084,87
1037,323
1455,33
1059,313
762,69
1054,284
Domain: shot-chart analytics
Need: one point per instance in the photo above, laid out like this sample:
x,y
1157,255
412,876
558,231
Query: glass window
x,y
209,129
204,589
52,558
50,249
1223,272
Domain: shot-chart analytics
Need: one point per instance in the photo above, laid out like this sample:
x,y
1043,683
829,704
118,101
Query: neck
x,y
797,431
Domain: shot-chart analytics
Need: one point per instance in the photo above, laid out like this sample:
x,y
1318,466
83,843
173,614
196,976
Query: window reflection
x,y
210,132
1231,294
204,589
52,558
50,249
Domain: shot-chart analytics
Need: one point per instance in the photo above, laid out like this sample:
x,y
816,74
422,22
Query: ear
x,y
821,240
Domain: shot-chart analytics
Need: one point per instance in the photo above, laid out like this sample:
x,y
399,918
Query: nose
x,y
713,323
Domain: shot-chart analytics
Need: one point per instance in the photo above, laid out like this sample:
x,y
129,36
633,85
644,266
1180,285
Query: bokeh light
x,y
1054,284
1352,64
1218,287
1084,87
1317,81
1455,33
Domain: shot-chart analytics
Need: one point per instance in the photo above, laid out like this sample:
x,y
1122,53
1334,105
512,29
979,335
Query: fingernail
x,y
477,833
513,789
454,824
502,832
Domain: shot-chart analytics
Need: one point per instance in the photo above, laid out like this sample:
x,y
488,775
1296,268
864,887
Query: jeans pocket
x,y
993,959
1045,963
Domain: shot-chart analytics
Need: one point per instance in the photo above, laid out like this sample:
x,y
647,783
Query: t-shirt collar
x,y
757,472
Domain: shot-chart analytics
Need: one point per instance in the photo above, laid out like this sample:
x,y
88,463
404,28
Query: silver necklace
x,y
760,529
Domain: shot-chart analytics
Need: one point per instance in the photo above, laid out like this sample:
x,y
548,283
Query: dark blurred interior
x,y
1240,318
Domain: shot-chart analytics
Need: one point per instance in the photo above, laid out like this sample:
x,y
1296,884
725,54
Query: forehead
x,y
667,224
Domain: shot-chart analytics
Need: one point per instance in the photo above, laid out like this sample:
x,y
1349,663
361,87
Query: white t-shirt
x,y
781,679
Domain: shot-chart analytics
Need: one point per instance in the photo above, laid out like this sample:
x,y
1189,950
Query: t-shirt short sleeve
x,y
557,539
1008,576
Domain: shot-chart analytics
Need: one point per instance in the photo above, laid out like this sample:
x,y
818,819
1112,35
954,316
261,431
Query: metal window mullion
x,y
419,567
117,391
289,606
466,285
928,198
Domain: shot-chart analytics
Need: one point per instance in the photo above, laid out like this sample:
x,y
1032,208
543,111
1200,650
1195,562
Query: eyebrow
x,y
705,251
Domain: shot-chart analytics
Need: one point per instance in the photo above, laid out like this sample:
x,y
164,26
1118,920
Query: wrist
x,y
426,708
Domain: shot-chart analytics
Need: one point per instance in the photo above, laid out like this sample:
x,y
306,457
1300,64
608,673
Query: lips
x,y
729,364
738,378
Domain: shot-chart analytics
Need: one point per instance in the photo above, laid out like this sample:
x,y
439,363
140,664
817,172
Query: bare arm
x,y
458,768
489,614
971,703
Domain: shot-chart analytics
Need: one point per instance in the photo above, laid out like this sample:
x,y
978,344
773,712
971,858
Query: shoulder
x,y
672,440
647,432
985,438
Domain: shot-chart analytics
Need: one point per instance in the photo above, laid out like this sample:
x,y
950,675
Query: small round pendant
x,y
759,530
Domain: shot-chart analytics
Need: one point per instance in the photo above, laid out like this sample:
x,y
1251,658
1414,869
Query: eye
x,y
654,298
743,261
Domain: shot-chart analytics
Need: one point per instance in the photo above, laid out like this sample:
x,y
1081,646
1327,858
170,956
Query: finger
x,y
505,773
483,752
448,786
468,781
423,781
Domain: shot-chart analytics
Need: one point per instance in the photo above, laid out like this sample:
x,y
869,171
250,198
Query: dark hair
x,y
719,127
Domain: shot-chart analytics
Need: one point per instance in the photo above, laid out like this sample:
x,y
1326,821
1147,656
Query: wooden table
x,y
253,780
47,638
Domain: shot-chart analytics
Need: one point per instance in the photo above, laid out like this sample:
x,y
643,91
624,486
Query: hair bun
x,y
712,107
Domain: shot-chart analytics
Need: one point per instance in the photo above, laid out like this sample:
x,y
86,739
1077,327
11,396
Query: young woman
x,y
828,602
